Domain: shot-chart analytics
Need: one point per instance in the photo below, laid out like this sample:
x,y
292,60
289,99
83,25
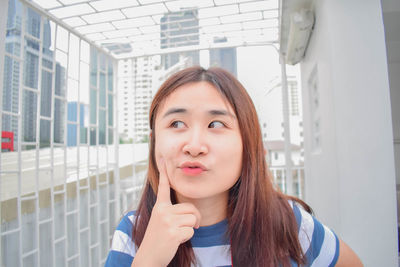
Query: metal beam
x,y
196,48
286,127
43,12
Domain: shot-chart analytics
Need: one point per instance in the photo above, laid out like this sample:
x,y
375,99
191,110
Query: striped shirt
x,y
212,248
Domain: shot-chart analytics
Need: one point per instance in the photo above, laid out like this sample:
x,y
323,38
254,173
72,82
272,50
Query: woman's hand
x,y
169,226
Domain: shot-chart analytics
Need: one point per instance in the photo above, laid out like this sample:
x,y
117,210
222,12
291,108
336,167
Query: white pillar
x,y
286,127
350,176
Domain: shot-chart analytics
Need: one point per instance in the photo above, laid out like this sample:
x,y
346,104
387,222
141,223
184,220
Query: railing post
x,y
286,124
3,23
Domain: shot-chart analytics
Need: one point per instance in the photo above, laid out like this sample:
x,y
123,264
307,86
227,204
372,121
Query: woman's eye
x,y
216,124
177,124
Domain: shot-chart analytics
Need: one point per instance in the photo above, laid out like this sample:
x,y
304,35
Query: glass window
x,y
93,66
110,110
102,127
13,34
47,63
102,58
31,66
110,136
46,94
44,133
84,123
59,111
29,104
71,134
61,68
11,85
102,90
110,76
33,23
14,47
93,106
72,111
48,41
93,133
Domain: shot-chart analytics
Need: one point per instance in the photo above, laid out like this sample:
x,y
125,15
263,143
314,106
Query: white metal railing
x,y
58,203
280,179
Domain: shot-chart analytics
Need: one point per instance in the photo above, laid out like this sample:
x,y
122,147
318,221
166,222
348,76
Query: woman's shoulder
x,y
127,221
318,242
123,249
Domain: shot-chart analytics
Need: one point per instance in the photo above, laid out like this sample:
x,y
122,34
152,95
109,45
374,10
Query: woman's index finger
x,y
164,190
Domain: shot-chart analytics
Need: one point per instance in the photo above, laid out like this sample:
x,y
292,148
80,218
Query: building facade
x,y
272,123
225,58
179,29
136,90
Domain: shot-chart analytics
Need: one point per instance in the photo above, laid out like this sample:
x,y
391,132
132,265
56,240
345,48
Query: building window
x,y
315,116
294,99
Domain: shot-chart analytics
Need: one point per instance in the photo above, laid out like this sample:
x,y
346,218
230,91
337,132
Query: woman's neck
x,y
212,210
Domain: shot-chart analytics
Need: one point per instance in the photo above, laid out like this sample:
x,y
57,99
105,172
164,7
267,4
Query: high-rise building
x,y
272,121
178,29
135,94
140,77
12,69
72,115
224,57
30,80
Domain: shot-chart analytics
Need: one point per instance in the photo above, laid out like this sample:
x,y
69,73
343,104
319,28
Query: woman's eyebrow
x,y
213,112
174,111
221,112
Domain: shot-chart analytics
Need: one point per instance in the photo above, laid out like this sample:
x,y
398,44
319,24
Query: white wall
x,y
350,180
391,18
394,77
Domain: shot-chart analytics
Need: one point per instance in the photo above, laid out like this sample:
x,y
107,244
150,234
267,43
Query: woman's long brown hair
x,y
261,224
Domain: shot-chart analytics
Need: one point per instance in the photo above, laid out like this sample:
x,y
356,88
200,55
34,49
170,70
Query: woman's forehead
x,y
195,96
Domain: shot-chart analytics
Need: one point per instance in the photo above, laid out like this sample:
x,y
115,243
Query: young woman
x,y
209,198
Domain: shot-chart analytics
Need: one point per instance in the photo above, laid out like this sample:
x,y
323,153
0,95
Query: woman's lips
x,y
192,171
192,168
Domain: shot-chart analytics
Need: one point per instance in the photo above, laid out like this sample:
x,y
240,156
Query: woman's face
x,y
197,135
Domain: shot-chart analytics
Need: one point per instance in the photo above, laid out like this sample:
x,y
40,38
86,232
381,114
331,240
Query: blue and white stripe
x,y
212,248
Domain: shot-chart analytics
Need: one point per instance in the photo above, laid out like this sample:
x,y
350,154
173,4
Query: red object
x,y
10,144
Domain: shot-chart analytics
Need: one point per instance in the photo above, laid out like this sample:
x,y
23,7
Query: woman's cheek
x,y
165,149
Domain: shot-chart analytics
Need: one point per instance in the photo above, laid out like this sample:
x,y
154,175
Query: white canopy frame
x,y
137,23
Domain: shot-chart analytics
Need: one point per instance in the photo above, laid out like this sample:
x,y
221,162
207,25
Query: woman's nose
x,y
196,144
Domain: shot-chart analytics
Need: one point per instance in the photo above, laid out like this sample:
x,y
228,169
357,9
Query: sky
x,y
257,65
